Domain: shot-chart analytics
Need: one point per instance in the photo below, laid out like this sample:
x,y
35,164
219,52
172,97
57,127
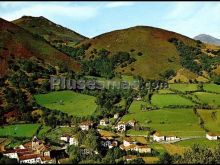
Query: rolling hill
x,y
48,30
158,54
19,43
208,39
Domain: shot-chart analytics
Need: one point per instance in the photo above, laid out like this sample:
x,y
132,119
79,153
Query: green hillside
x,y
48,30
19,43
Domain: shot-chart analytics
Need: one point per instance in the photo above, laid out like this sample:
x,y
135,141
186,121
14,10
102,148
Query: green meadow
x,y
163,100
183,87
69,102
180,122
212,88
19,130
211,119
211,99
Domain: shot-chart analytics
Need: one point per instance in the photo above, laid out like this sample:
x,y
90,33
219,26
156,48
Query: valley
x,y
140,124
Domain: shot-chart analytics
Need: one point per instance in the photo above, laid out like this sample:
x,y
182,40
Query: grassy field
x,y
209,98
180,122
135,133
201,141
162,100
211,119
184,87
44,129
68,102
56,133
19,130
165,91
212,88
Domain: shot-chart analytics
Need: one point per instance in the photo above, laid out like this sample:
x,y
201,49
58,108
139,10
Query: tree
x,y
216,80
165,158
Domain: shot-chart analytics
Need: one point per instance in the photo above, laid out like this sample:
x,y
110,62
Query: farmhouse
x,y
13,154
159,137
121,126
104,122
116,116
86,125
30,159
131,123
108,142
212,136
69,139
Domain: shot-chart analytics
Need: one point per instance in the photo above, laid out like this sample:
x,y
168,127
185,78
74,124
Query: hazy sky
x,y
94,18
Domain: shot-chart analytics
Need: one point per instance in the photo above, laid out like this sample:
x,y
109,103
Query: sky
x,y
94,18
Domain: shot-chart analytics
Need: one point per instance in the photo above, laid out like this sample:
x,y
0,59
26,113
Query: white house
x,y
104,122
121,126
212,136
131,123
128,141
30,159
116,116
69,139
159,137
13,154
86,125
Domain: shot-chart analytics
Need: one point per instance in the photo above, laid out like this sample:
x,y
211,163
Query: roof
x,y
213,133
132,146
12,113
86,123
128,139
16,151
45,158
32,156
28,145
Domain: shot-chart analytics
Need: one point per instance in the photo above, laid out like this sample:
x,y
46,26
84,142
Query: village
x,y
38,151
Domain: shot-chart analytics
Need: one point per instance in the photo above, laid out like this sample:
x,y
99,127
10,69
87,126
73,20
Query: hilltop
x,y
150,47
16,42
208,39
50,31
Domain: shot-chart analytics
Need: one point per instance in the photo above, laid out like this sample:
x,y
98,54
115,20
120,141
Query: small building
x,y
116,116
104,122
30,159
13,154
159,137
137,148
131,123
212,136
121,126
128,141
86,125
69,139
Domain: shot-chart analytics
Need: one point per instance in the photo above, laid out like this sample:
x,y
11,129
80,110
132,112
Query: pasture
x,y
19,130
69,102
212,88
163,100
211,119
211,99
183,87
179,122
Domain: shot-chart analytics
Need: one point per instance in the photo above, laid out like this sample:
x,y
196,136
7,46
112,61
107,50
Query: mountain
x,y
48,30
208,39
19,43
158,54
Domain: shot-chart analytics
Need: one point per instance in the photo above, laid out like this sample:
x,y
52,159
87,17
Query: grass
x,y
137,133
184,87
211,99
56,133
19,130
212,88
44,129
69,102
201,141
174,149
179,122
165,91
163,100
211,119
